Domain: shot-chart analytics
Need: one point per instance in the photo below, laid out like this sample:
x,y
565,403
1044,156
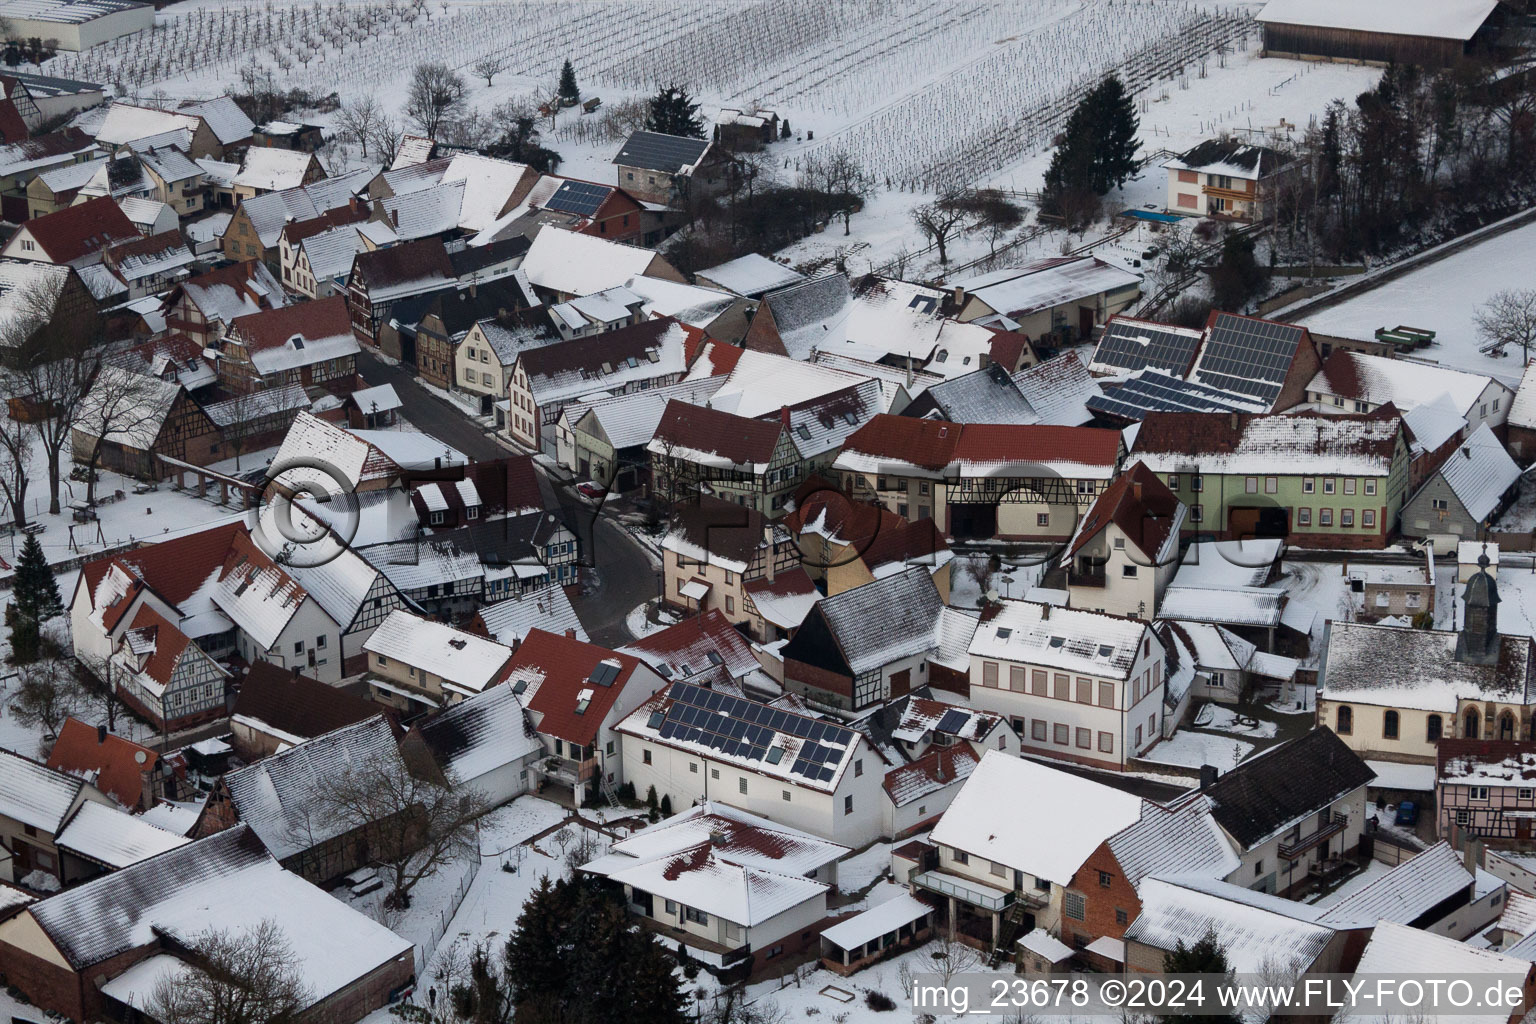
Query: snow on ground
x,y
1322,587
860,869
639,620
1192,749
1442,297
1220,718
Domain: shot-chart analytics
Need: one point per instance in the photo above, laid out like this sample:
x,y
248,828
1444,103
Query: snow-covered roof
x,y
546,608
1228,564
1405,893
481,733
111,837
330,252
270,169
310,439
784,600
1234,606
584,366
1182,838
34,794
1402,950
1043,943
380,398
1268,445
280,797
1478,472
1044,284
882,622
1403,382
853,932
1256,934
630,420
576,264
131,405
1522,411
1418,668
226,881
937,769
1083,814
707,881
1438,19
469,661
223,116
751,275
488,186
1399,775
1065,638
733,834
788,746
126,123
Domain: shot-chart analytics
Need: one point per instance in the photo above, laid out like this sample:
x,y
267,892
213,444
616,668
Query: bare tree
x,y
387,134
488,67
248,977
15,466
358,119
53,353
436,96
841,175
45,695
414,824
242,413
94,692
940,221
120,404
1508,318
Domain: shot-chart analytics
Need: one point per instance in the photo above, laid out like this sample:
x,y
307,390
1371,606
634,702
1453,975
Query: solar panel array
x,y
1250,357
744,728
1132,345
1134,398
581,198
670,153
952,721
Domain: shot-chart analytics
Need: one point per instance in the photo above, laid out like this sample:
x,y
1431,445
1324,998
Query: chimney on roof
x,y
1045,611
472,287
570,633
716,834
1208,775
1234,420
784,416
1471,853
394,218
1136,489
101,734
938,769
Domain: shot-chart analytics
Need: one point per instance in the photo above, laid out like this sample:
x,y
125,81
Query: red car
x,y
591,490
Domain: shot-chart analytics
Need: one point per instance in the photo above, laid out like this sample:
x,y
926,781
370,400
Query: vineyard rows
x,y
924,94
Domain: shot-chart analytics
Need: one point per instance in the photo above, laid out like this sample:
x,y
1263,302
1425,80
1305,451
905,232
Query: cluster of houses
x,y
818,451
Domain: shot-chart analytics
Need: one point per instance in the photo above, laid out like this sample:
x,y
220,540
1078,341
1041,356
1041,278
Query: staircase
x,y
610,791
1013,923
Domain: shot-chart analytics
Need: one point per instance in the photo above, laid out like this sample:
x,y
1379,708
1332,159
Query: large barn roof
x,y
1438,19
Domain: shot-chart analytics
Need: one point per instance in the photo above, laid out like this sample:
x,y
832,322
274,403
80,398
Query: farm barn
x,y
76,24
1434,33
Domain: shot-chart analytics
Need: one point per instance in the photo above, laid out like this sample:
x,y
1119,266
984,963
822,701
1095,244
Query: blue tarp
x,y
1162,218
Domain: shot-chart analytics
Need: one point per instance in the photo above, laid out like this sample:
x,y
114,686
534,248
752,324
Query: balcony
x,y
1296,847
565,771
982,897
1229,194
1092,577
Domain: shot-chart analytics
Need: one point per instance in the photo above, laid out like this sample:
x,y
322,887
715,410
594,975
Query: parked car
x,y
591,490
1407,813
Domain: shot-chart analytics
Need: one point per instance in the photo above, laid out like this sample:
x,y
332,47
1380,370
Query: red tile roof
x,y
169,642
174,568
271,328
718,356
354,212
741,440
1004,442
909,542
564,667
929,443
1137,502
120,765
1342,374
833,512
77,231
1008,349
685,648
937,768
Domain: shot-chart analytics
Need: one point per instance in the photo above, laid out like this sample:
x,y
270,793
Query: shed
x,y
1434,33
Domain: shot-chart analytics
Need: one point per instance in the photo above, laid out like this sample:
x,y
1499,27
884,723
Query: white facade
x,y
310,642
53,20
690,777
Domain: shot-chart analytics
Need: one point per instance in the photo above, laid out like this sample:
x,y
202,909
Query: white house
x,y
991,856
485,743
1081,686
725,882
694,744
1126,549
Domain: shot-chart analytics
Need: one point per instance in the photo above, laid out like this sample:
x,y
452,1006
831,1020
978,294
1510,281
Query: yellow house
x,y
1392,694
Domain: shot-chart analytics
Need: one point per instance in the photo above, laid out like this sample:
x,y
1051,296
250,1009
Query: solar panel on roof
x,y
1132,345
1251,357
581,198
952,721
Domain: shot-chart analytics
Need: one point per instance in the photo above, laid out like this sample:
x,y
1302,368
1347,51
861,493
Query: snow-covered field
x,y
1442,297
